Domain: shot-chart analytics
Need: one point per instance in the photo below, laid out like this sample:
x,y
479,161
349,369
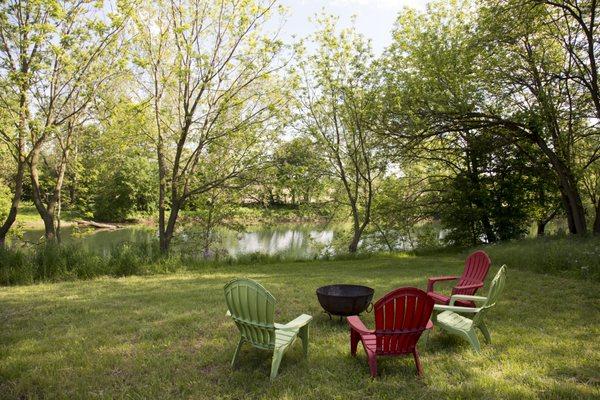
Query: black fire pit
x,y
344,300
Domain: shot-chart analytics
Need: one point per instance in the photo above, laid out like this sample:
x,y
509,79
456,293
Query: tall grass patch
x,y
53,262
577,257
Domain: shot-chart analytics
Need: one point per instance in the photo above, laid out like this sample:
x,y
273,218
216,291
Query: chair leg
x,y
304,336
354,339
486,333
418,362
472,338
277,356
237,352
372,364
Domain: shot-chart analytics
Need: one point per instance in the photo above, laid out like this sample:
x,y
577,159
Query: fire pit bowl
x,y
344,300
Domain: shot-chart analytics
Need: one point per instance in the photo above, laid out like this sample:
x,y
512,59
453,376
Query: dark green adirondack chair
x,y
451,320
252,308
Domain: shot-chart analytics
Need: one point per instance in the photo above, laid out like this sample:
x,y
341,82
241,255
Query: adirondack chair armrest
x,y
455,297
456,309
472,286
357,325
295,324
432,281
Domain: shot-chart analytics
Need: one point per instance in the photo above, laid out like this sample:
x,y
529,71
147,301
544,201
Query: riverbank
x,y
577,258
167,336
248,215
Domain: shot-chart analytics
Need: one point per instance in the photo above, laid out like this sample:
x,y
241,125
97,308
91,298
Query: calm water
x,y
295,241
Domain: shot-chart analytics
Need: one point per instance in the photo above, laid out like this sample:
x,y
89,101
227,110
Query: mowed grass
x,y
167,337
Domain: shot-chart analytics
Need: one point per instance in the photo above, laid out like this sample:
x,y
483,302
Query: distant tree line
x,y
483,115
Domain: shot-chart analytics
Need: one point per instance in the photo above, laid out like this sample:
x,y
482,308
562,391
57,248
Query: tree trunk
x,y
14,207
358,228
162,242
568,188
46,211
541,227
487,228
21,161
356,232
542,222
166,235
353,246
572,203
162,192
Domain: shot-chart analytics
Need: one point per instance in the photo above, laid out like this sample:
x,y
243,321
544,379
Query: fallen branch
x,y
98,225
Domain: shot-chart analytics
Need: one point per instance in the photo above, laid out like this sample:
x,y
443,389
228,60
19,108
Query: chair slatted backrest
x,y
496,288
400,318
252,308
476,269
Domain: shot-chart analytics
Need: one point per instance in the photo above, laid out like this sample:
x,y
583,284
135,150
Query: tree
x,y
530,79
298,169
429,71
209,73
207,213
52,60
497,70
574,26
113,171
404,203
338,100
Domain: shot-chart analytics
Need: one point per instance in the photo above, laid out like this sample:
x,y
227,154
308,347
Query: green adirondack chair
x,y
451,320
252,308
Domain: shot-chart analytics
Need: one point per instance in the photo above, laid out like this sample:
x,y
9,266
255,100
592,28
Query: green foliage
x,y
209,212
113,176
128,188
5,200
399,213
339,110
490,206
299,170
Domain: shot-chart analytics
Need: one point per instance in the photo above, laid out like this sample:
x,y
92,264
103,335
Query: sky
x,y
374,18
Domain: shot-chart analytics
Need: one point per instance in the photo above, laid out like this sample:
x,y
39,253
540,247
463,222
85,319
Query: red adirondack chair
x,y
477,266
401,316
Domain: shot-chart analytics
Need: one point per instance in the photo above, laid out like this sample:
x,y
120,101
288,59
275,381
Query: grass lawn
x,y
167,336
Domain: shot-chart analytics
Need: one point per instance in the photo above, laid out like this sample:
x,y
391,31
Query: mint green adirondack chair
x,y
252,308
451,320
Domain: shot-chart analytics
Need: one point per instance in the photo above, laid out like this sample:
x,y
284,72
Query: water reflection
x,y
299,242
296,241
